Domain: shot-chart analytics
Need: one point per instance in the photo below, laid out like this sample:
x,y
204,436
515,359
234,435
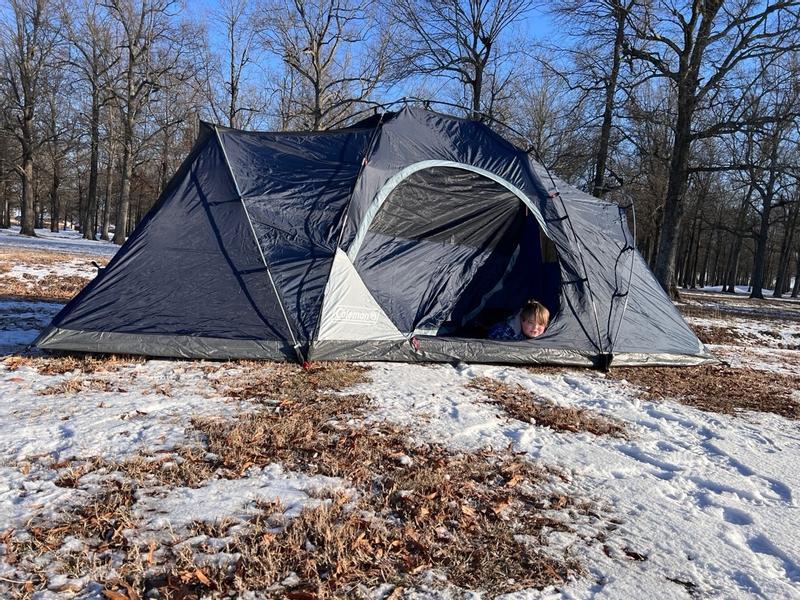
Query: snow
x,y
710,502
709,499
21,322
234,499
63,241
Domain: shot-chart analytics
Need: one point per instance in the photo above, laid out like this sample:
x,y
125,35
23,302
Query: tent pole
x,y
301,359
630,248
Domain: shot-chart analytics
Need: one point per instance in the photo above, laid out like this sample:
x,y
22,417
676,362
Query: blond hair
x,y
536,310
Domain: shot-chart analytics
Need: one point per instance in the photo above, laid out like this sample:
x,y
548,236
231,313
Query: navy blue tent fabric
x,y
388,240
194,270
296,188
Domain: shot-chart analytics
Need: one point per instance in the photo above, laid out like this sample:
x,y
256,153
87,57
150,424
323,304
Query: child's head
x,y
534,318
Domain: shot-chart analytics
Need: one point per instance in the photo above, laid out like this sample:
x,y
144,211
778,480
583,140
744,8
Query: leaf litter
x,y
482,518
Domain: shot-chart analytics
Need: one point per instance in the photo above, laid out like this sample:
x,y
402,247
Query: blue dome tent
x,y
387,240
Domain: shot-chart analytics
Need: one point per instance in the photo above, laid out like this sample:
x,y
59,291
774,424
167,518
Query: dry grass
x,y
52,288
287,382
722,336
725,336
101,522
183,467
462,514
481,518
717,388
59,365
79,385
523,405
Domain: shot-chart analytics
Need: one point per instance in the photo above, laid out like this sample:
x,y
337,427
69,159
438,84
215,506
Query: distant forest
x,y
688,111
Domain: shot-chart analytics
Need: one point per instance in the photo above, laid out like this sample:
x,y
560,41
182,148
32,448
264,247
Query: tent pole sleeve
x,y
579,245
631,248
296,346
400,176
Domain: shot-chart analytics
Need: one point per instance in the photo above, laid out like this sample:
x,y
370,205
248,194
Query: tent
x,y
387,240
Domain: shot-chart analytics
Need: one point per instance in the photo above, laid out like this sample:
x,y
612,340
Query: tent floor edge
x,y
467,350
165,345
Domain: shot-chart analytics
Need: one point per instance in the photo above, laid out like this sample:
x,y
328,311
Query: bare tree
x,y
336,52
768,178
455,39
233,97
599,29
790,220
699,47
59,126
89,33
151,46
5,173
551,118
28,43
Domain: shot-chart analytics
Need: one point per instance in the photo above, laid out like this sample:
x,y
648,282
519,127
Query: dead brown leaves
x,y
102,522
482,518
429,508
460,513
78,385
722,336
280,382
59,365
717,388
523,405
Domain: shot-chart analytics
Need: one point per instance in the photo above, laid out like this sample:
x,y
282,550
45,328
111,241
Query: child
x,y
530,322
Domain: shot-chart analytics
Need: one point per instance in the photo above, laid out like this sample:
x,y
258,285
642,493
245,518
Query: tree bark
x,y
89,227
785,252
676,189
123,204
601,160
767,197
54,197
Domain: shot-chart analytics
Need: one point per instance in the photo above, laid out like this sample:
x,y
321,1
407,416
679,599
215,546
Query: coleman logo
x,y
353,314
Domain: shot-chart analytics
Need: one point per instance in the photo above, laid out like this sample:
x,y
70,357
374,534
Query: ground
x,y
123,477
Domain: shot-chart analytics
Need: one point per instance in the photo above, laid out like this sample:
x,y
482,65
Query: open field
x,y
123,477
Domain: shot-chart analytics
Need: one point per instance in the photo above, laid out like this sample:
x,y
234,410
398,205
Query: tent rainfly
x,y
393,239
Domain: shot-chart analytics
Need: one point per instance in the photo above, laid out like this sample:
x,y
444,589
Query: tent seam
x,y
258,245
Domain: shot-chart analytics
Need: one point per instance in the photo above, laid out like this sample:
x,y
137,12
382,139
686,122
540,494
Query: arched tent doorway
x,y
445,247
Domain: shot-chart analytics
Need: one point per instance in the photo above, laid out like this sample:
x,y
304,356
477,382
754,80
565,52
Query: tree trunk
x,y
703,275
785,253
675,200
796,287
90,224
729,284
123,205
5,205
760,256
477,91
687,274
599,186
28,203
766,212
54,197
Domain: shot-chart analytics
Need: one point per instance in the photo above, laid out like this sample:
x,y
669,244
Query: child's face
x,y
532,328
